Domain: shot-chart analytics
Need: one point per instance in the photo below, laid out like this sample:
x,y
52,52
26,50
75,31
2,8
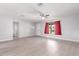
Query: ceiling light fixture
x,y
40,4
43,18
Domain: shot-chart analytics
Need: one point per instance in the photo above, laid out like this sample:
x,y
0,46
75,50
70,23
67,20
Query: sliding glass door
x,y
52,29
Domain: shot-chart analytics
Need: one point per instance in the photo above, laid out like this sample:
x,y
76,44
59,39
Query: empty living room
x,y
39,29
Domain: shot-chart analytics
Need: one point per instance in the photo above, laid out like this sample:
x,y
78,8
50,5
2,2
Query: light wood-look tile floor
x,y
39,46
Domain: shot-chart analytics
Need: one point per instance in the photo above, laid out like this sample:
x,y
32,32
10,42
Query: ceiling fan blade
x,y
37,11
41,14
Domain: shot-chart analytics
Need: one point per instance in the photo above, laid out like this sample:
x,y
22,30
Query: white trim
x,y
62,38
5,40
74,40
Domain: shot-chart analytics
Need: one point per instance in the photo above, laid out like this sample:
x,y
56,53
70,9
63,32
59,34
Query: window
x,y
53,28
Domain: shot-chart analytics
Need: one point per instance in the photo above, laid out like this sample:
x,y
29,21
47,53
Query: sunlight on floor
x,y
52,46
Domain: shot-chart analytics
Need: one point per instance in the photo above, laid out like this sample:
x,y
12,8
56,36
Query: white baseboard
x,y
26,36
11,38
6,39
62,38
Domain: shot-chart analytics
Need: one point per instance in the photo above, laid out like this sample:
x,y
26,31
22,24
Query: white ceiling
x,y
27,11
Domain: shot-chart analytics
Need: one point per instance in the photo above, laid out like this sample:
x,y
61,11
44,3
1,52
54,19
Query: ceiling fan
x,y
37,11
43,16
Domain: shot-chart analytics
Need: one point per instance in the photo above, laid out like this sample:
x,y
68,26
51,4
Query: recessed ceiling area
x,y
32,11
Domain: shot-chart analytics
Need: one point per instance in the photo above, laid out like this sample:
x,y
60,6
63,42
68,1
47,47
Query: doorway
x,y
15,30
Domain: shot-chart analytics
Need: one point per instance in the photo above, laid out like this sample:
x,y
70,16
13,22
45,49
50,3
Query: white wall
x,y
69,26
5,28
26,28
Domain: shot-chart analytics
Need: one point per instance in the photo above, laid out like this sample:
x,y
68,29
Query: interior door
x,y
15,30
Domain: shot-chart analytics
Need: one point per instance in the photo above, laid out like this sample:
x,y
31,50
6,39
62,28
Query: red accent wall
x,y
46,28
57,28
